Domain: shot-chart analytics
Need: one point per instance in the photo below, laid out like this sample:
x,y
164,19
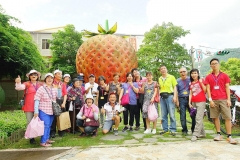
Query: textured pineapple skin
x,y
106,55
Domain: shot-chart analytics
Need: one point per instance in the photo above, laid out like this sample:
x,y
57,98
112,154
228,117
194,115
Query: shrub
x,y
11,121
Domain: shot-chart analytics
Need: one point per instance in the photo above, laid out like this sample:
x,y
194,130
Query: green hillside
x,y
205,66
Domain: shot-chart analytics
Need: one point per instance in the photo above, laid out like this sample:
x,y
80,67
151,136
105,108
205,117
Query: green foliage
x,y
64,47
205,63
232,68
11,121
18,53
160,48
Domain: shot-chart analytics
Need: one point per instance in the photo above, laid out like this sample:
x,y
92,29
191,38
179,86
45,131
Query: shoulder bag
x,y
125,98
89,121
55,106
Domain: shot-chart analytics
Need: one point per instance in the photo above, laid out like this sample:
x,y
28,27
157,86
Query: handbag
x,y
55,106
152,112
35,128
89,121
63,121
157,98
125,98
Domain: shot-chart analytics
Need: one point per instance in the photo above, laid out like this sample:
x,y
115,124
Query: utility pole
x,y
192,55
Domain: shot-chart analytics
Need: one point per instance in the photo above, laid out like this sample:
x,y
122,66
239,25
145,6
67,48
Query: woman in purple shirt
x,y
130,88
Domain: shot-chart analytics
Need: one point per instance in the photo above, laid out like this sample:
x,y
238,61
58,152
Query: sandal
x,y
45,145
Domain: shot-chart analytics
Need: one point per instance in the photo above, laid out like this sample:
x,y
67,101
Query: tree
x,y
160,48
232,68
64,47
18,53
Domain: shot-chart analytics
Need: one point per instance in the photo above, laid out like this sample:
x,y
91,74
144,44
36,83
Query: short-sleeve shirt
x,y
183,87
221,80
61,87
102,96
111,111
198,94
132,94
167,84
94,89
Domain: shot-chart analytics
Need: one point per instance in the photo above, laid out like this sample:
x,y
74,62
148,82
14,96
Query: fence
x,y
15,136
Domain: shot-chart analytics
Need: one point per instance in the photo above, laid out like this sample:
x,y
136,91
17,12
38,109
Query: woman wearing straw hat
x,y
30,88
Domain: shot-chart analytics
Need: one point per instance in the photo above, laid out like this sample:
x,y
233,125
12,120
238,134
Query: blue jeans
x,y
47,125
168,107
87,129
183,104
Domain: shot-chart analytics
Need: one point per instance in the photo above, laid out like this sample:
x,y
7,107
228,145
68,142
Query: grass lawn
x,y
70,140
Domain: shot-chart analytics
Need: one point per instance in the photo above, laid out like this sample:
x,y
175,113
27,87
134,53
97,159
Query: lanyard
x,y
216,79
185,84
35,86
89,111
164,80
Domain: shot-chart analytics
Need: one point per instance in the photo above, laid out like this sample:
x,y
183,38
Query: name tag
x,y
185,92
216,87
102,97
126,91
88,120
148,91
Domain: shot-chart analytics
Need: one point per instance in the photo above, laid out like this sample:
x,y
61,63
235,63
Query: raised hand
x,y
18,79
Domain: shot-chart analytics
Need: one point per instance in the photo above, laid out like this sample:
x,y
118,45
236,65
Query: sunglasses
x,y
34,74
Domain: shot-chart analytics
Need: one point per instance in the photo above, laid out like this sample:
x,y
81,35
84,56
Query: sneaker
x,y
136,128
173,133
32,141
124,129
231,141
131,129
101,126
194,138
82,134
147,131
45,145
115,131
218,138
154,131
202,136
94,134
163,132
184,133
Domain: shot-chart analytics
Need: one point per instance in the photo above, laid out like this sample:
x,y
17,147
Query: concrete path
x,y
187,150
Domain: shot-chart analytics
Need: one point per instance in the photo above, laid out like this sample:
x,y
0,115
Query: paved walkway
x,y
187,150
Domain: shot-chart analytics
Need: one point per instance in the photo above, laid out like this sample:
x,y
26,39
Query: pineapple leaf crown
x,y
101,30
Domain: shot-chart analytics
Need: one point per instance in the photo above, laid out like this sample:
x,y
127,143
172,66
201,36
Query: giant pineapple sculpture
x,y
105,54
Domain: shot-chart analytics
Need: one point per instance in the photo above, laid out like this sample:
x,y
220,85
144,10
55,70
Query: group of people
x,y
102,102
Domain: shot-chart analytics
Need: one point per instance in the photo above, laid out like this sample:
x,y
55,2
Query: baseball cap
x,y
91,75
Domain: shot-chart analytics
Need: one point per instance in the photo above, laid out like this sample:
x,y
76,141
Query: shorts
x,y
221,107
108,124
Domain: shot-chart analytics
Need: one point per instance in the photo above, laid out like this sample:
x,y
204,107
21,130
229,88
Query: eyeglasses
x,y
213,64
182,71
34,74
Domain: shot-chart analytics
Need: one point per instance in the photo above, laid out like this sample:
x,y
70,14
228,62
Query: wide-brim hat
x,y
66,75
89,97
57,71
33,71
49,74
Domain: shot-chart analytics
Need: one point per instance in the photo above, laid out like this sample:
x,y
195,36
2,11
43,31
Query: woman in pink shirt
x,y
88,112
43,107
30,88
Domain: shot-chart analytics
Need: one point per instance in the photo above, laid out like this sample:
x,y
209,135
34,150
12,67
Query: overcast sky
x,y
212,23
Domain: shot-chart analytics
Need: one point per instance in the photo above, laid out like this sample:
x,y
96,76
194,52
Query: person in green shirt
x,y
168,98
